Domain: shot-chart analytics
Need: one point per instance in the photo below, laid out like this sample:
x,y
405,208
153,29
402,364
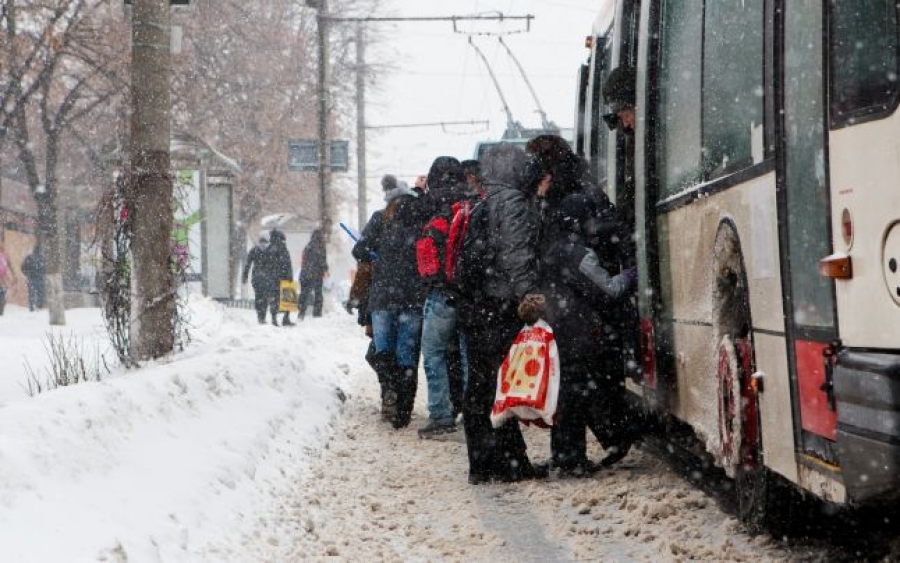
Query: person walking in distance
x,y
313,269
282,270
262,281
33,270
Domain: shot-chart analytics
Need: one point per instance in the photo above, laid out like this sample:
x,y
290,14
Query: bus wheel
x,y
752,480
740,434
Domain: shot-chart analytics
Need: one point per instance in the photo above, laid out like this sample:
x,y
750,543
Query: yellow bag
x,y
287,296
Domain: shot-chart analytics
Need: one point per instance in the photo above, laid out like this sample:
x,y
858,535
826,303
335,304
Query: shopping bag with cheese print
x,y
528,379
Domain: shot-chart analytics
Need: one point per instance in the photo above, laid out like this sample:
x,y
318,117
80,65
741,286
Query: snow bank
x,y
155,463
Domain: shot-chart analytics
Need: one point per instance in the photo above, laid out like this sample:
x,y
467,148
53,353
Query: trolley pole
x,y
361,192
322,23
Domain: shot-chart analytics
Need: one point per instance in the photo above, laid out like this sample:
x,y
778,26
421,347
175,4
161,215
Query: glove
x,y
630,277
350,304
532,308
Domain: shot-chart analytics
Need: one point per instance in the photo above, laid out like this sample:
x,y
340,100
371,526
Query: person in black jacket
x,y
580,293
396,297
491,320
33,270
282,270
262,282
612,240
313,269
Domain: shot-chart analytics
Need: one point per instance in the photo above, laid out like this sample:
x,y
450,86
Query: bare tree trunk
x,y
150,185
54,238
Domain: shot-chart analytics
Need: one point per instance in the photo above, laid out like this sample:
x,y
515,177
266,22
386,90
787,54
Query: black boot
x,y
385,368
407,380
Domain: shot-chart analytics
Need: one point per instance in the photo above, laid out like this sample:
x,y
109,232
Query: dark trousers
x,y
35,295
499,452
311,290
575,410
264,299
613,421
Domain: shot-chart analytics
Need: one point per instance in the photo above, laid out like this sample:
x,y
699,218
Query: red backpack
x,y
437,249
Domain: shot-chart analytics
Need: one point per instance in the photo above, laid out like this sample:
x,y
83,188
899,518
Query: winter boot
x,y
434,428
406,380
385,367
388,405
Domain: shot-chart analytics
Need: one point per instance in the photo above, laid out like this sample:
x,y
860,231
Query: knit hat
x,y
401,188
388,182
618,91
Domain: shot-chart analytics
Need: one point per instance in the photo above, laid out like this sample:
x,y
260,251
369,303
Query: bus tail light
x,y
837,266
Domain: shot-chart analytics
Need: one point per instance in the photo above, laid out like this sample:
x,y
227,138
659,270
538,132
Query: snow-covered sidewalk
x,y
157,464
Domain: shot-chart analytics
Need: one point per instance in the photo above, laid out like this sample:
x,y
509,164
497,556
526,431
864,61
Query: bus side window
x,y
678,137
732,84
864,58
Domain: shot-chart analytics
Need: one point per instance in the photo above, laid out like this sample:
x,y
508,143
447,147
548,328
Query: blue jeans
x,y
398,332
439,329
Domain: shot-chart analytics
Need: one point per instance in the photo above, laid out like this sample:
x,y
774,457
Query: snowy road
x,y
380,494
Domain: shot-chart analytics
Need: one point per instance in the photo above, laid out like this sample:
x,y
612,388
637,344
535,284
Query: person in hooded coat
x,y
491,319
396,297
313,269
263,283
282,270
33,270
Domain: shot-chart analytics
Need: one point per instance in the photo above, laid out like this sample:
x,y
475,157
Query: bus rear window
x,y
864,58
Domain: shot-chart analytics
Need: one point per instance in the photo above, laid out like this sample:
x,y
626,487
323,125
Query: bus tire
x,y
740,430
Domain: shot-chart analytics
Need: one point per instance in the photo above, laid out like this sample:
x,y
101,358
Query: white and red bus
x,y
763,182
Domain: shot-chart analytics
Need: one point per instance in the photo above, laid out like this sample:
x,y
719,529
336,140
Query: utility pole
x,y
361,192
322,23
149,195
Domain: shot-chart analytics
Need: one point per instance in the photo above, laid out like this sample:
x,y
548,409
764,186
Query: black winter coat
x,y
583,299
612,242
282,269
315,261
33,267
390,238
260,261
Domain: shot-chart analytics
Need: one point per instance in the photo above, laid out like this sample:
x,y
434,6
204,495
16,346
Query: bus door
x,y
804,219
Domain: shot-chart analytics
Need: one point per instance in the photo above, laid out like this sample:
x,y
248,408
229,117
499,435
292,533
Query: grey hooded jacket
x,y
513,222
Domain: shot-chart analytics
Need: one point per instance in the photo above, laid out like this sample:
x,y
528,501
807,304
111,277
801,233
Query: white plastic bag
x,y
528,379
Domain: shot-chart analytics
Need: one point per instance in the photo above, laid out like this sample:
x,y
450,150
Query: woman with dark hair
x,y
396,296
